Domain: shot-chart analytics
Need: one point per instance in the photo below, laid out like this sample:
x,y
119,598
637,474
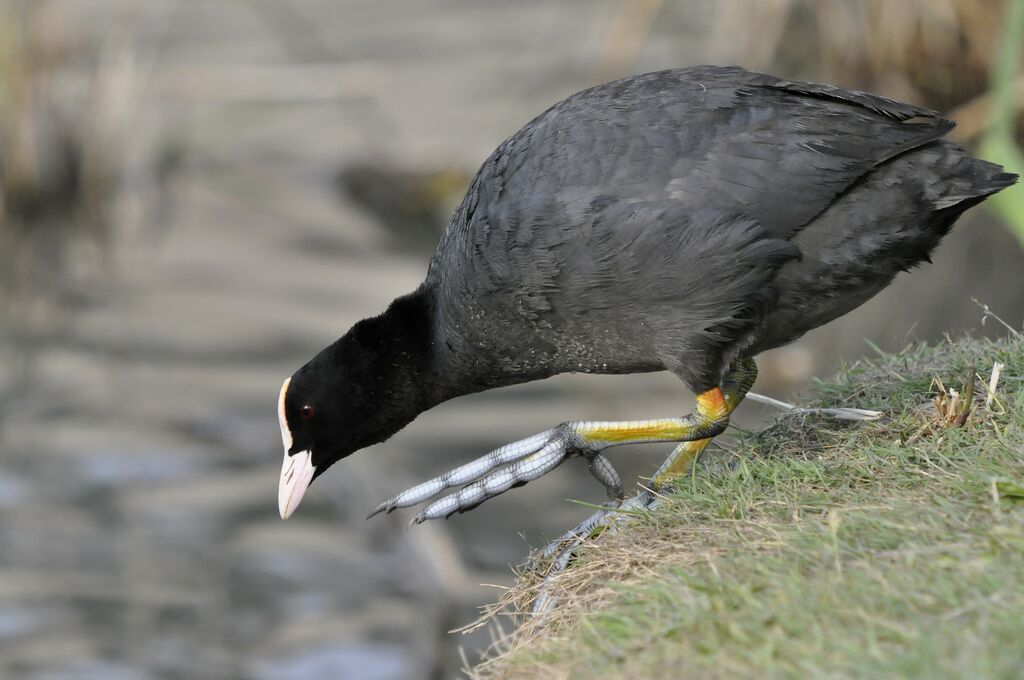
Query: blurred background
x,y
197,196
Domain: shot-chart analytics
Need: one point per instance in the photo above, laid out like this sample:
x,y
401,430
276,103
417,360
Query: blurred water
x,y
139,534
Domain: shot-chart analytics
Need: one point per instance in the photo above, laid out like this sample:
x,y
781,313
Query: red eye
x,y
307,412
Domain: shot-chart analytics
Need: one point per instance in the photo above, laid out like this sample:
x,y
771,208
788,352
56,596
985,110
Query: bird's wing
x,y
781,151
709,141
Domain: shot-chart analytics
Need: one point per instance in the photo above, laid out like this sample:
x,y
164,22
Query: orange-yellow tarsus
x,y
712,404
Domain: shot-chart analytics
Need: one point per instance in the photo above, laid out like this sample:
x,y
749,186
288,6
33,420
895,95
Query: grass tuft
x,y
815,547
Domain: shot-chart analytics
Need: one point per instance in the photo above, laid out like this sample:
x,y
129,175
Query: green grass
x,y
890,549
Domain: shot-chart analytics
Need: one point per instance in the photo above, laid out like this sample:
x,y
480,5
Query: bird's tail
x,y
969,180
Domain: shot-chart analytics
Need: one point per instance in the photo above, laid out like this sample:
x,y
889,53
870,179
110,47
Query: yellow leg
x,y
707,420
714,407
737,383
528,459
679,463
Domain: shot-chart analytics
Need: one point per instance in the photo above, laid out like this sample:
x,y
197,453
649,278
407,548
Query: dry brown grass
x,y
66,108
934,52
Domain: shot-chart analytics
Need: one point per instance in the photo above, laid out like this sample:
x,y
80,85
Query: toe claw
x,y
385,507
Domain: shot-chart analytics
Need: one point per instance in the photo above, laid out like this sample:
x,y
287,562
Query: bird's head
x,y
319,426
357,392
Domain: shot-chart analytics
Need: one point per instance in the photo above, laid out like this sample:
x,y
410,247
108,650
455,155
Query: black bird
x,y
683,221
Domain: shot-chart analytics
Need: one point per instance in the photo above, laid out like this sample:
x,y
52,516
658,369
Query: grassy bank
x,y
820,549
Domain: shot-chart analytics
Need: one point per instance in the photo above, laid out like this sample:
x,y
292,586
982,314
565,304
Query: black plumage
x,y
676,220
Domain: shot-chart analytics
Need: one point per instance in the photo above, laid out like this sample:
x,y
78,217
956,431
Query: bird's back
x,y
889,221
642,224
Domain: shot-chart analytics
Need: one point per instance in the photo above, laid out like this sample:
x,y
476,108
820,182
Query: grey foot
x,y
837,413
564,547
504,468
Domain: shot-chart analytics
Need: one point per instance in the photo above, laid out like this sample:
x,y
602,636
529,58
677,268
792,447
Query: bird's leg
x,y
737,382
523,461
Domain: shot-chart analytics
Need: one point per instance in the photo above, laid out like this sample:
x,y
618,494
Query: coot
x,y
683,221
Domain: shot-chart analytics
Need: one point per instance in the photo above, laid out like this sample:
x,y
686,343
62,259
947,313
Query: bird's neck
x,y
406,363
392,357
